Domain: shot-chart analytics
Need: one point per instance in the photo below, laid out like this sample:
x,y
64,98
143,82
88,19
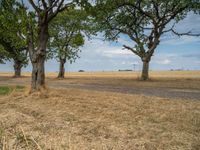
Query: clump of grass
x,y
5,90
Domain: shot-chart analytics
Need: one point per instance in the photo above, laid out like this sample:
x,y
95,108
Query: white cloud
x,y
163,59
130,63
165,62
114,51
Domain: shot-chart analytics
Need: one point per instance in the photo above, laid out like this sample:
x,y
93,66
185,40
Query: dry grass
x,y
87,120
84,120
170,79
153,74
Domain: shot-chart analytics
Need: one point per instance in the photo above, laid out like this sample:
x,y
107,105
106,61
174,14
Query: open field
x,y
102,111
167,84
176,79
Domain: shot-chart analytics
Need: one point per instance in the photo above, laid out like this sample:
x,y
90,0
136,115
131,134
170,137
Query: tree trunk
x,y
38,60
38,74
145,71
61,73
17,67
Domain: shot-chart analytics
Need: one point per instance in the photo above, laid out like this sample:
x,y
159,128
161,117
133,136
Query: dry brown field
x,y
70,116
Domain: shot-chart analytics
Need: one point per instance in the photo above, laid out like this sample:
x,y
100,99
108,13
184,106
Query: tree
x,y
12,41
143,21
45,11
67,36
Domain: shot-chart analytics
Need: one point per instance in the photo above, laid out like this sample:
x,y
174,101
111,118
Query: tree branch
x,y
59,9
131,49
37,9
44,4
189,33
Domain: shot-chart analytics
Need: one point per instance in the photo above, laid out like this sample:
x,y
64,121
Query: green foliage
x,y
4,90
142,21
66,34
196,6
12,31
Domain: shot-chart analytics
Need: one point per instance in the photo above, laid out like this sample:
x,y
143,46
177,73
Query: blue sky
x,y
172,53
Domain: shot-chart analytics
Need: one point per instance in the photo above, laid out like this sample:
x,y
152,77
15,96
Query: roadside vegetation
x,y
6,90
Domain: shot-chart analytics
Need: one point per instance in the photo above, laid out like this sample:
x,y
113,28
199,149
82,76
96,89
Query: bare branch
x,y
52,4
59,9
131,49
171,29
44,4
37,9
189,33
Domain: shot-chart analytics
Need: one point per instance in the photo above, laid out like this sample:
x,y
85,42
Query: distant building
x,y
125,70
81,71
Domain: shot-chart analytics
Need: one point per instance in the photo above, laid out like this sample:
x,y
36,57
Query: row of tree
x,y
65,35
38,30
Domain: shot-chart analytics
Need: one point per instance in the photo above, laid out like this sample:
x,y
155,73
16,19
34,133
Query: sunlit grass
x,y
5,90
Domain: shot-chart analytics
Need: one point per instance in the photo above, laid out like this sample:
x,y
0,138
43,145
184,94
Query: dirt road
x,y
159,92
98,85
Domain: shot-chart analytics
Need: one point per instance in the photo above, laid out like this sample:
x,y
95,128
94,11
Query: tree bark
x,y
38,60
61,73
17,67
145,70
38,74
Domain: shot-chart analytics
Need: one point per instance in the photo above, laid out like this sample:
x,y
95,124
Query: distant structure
x,y
177,69
125,70
81,71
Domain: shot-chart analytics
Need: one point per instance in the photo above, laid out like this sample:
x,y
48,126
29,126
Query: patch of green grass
x,y
5,90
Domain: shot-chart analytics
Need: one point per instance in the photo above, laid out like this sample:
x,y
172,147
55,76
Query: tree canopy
x,y
143,21
12,32
66,34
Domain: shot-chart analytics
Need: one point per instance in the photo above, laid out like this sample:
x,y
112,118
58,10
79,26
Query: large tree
x,y
67,36
12,40
46,11
142,21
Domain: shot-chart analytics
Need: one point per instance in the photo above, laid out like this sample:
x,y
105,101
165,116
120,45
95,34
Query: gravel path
x,y
149,91
159,92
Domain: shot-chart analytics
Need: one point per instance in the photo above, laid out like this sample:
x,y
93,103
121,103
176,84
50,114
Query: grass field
x,y
79,119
